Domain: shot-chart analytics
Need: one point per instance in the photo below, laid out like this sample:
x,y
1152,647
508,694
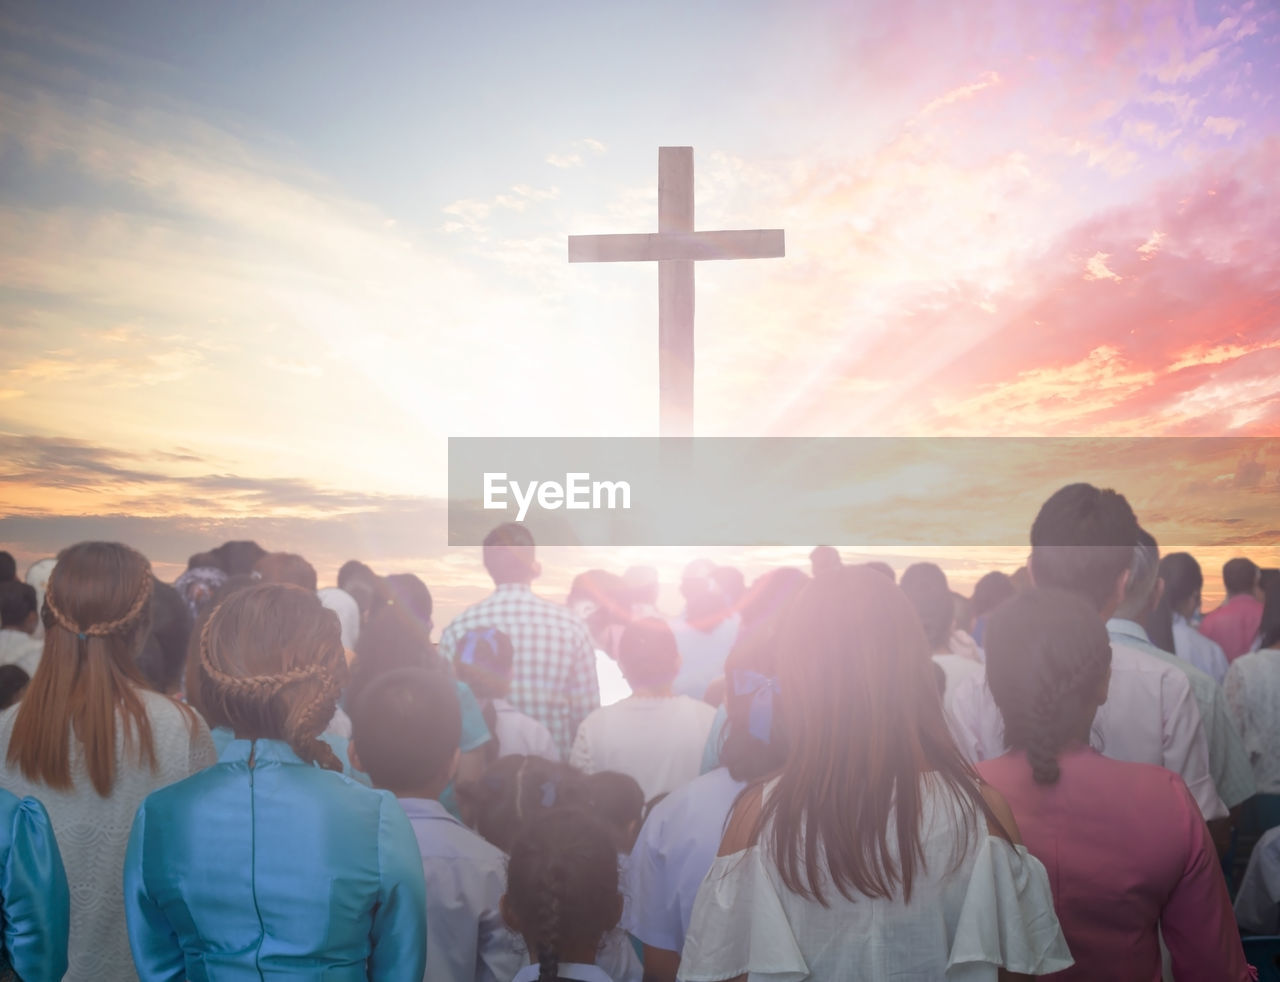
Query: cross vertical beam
x,y
675,295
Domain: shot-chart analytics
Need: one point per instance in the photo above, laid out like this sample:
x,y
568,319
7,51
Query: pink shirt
x,y
1234,625
1126,851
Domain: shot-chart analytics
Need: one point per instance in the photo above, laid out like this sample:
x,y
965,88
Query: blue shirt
x,y
715,740
35,905
672,856
274,871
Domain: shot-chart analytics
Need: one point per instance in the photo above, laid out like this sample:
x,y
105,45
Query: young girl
x,y
483,659
34,902
90,740
562,896
270,861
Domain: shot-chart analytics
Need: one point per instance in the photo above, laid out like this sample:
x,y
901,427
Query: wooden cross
x,y
675,248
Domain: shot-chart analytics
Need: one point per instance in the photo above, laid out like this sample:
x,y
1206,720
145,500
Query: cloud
x,y
1095,268
564,159
962,93
1222,125
1151,246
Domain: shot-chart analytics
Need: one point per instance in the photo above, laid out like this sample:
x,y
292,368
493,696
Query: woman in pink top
x,y
1125,846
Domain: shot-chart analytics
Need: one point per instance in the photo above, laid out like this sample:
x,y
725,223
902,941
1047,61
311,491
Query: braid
x,y
549,929
302,727
105,628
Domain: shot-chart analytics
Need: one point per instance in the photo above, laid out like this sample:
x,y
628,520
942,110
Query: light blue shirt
x,y
466,877
1228,763
275,870
702,653
715,740
35,904
672,856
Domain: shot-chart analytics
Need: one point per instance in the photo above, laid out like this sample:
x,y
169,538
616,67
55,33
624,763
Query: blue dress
x,y
274,871
35,905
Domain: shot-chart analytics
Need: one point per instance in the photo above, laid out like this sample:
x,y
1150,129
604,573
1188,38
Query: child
x,y
616,799
483,661
653,735
405,735
562,895
13,681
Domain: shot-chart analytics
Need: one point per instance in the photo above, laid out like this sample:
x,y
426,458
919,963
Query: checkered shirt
x,y
553,678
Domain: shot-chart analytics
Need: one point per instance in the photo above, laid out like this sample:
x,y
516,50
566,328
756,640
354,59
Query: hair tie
x,y
82,636
548,794
761,689
486,660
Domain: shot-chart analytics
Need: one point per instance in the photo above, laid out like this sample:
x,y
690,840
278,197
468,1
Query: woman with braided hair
x,y
562,896
272,862
1128,854
90,740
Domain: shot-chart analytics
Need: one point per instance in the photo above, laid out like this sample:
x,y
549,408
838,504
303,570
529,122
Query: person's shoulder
x,y
696,708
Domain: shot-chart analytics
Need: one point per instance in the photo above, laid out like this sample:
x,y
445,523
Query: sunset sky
x,y
259,261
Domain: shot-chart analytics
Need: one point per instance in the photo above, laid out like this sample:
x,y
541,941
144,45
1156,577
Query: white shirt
x,y
1204,653
1150,717
521,734
467,940
995,909
1253,696
1258,902
675,849
567,970
614,686
658,741
702,653
21,649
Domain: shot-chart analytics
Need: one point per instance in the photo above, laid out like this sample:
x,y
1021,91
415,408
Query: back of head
x,y
883,568
411,593
1183,581
618,801
508,553
1240,575
13,680
203,560
483,658
730,582
237,558
989,592
271,666
97,613
864,723
647,654
1269,627
17,604
1048,654
406,729
925,585
1082,540
286,567
601,599
562,886
824,560
1144,577
163,656
366,587
391,639
706,604
8,567
515,790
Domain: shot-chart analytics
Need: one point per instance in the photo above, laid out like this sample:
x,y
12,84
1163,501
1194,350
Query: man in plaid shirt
x,y
553,677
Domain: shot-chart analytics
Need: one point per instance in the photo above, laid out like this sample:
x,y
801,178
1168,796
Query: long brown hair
x,y
865,727
97,613
271,666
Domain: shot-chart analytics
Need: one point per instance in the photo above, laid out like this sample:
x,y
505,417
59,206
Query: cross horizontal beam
x,y
663,246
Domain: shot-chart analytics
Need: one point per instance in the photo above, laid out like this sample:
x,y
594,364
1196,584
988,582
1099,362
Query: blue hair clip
x,y
471,640
761,689
548,794
82,636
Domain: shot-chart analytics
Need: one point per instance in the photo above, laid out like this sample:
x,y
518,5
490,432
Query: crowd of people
x,y
845,773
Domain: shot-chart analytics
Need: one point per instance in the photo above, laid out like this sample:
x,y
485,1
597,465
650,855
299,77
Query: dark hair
x,y
925,585
17,603
13,680
191,678
366,587
865,726
410,592
1183,579
1047,653
164,655
562,885
482,659
8,567
238,558
608,594
825,559
616,799
515,789
1239,576
508,553
989,592
651,804
203,560
730,582
1082,540
406,728
286,567
756,650
883,568
271,666
1269,628
647,653
391,639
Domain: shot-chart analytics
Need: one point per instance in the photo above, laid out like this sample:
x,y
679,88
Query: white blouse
x,y
994,910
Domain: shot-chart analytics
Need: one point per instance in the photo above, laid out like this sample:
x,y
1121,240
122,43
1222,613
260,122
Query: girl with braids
x,y
90,739
875,852
1170,625
483,661
271,863
562,896
1129,856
